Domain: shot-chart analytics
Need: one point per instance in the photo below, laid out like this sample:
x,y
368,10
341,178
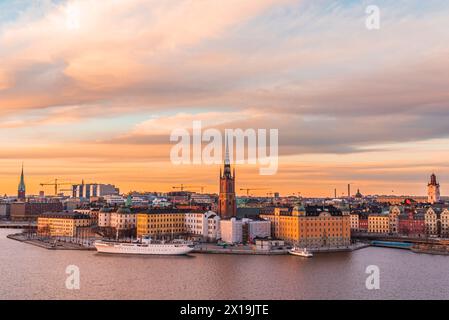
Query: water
x,y
29,272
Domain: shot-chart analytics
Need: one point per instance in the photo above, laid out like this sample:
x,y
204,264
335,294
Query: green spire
x,y
22,181
129,201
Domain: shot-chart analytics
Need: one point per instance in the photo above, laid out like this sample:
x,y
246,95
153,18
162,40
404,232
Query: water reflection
x,y
29,272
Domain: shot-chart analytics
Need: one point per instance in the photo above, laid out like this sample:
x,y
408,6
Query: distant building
x,y
363,223
201,198
161,203
179,197
411,223
94,190
354,218
114,200
399,200
248,212
437,222
61,224
433,190
5,210
24,211
394,214
379,223
71,204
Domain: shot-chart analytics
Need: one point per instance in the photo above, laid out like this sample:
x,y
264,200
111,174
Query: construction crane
x,y
56,184
251,189
182,187
199,187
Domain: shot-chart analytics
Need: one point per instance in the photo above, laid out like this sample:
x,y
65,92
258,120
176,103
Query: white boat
x,y
302,252
146,246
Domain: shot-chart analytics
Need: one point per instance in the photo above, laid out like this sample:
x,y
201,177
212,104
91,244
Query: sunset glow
x,y
92,89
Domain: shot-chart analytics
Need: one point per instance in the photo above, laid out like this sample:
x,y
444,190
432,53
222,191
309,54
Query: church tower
x,y
21,190
433,190
227,206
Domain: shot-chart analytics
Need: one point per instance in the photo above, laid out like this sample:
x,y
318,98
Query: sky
x,y
92,90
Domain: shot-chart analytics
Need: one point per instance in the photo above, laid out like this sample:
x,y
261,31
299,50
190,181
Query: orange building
x,y
314,226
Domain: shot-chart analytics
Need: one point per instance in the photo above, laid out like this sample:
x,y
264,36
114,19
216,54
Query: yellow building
x,y
61,224
354,218
379,223
161,222
315,226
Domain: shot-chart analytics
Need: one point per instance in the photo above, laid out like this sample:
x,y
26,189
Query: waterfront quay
x,y
237,249
17,225
51,244
418,245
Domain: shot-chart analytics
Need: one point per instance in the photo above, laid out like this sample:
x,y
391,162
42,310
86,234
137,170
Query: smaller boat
x,y
302,252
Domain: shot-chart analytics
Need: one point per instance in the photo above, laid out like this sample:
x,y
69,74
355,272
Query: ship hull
x,y
140,249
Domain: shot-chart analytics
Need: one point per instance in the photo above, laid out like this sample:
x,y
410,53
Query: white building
x,y
5,209
433,190
231,230
201,198
257,229
161,202
213,227
267,245
203,225
138,201
354,219
94,190
114,200
122,219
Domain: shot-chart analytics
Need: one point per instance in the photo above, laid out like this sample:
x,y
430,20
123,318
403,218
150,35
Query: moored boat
x,y
302,252
146,246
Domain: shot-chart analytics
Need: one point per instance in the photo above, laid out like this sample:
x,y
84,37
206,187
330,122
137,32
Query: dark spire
x,y
22,188
227,161
22,181
433,180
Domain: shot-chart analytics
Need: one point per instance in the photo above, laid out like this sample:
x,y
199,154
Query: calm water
x,y
29,272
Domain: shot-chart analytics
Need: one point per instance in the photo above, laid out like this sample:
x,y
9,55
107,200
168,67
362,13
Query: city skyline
x,y
355,105
198,188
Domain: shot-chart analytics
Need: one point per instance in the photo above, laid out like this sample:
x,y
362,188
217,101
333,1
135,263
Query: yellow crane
x,y
56,184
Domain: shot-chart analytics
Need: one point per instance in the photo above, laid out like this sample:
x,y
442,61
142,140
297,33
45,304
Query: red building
x,y
363,222
411,223
25,211
227,205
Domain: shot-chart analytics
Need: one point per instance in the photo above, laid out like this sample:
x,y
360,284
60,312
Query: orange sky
x,y
92,90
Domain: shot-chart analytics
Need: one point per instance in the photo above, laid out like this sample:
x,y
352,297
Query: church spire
x,y
226,160
227,205
22,188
